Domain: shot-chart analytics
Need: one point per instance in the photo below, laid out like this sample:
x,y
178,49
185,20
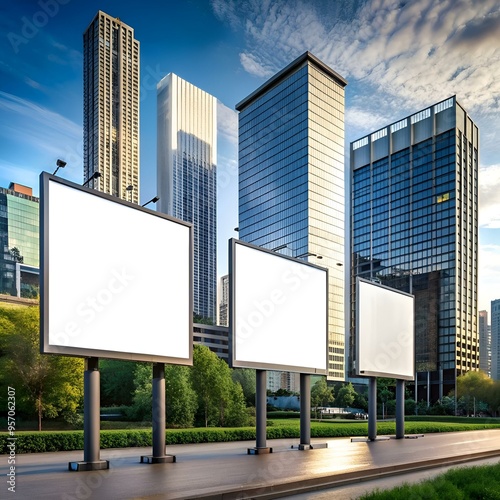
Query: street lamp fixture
x,y
95,175
130,188
309,254
59,164
152,200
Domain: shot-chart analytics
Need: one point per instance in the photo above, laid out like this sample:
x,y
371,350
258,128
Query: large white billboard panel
x,y
116,278
278,311
385,343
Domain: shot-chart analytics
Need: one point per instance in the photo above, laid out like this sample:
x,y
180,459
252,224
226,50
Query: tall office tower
x,y
484,343
414,227
223,301
19,235
291,177
495,339
111,107
187,176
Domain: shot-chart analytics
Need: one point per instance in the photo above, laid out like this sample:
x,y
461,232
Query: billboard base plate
x,y
315,446
259,451
84,466
165,459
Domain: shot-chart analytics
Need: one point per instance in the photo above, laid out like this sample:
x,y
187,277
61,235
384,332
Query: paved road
x,y
225,471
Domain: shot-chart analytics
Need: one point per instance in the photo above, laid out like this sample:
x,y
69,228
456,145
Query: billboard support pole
x,y
305,414
260,414
159,420
372,409
400,409
91,420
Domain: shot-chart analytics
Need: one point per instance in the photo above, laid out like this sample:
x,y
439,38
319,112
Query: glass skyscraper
x,y
19,241
495,339
187,177
414,227
484,343
291,177
111,107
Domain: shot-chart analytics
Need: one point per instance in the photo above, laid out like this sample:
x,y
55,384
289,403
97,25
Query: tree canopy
x,y
45,385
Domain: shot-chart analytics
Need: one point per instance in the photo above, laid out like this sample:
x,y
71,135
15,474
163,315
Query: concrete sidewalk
x,y
225,471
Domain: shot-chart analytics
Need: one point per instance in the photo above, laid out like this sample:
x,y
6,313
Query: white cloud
x,y
36,128
409,50
252,65
489,196
227,123
489,272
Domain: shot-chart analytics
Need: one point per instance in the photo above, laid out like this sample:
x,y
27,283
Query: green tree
x,y
202,320
236,412
143,393
246,378
321,394
360,402
117,382
181,400
472,388
46,385
345,396
220,400
205,382
16,255
385,393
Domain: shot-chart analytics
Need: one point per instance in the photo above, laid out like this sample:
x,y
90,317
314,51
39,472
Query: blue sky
x,y
398,57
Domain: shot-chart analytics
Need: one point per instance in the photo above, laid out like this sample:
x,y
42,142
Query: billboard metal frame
x,y
236,363
373,373
45,347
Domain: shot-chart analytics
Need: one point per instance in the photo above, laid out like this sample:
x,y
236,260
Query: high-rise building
x,y
187,176
291,177
19,241
414,192
224,301
495,339
111,107
484,343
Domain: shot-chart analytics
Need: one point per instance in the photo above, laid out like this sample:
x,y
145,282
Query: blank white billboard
x,y
116,277
278,312
385,343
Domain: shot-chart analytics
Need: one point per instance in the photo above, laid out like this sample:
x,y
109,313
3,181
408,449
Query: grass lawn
x,y
481,482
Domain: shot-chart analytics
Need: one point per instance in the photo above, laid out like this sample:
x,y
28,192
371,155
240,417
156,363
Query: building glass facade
x,y
111,107
19,240
224,301
414,227
484,343
495,339
187,176
291,176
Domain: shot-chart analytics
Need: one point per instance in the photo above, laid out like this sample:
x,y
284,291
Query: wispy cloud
x,y
410,50
489,196
227,123
489,270
51,135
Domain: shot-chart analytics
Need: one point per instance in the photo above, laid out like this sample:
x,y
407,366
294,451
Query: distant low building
x,y
19,241
216,338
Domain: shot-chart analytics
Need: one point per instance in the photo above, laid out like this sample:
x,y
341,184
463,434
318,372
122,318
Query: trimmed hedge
x,y
283,414
37,442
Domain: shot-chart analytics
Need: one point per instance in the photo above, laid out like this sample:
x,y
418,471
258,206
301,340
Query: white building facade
x,y
187,176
